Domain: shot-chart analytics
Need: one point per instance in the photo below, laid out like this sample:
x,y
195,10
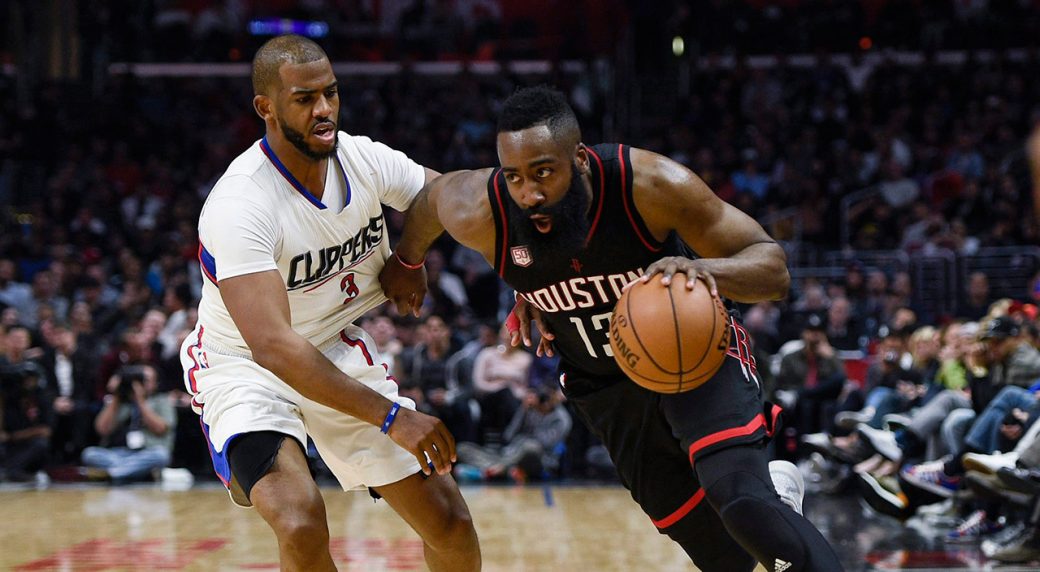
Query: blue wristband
x,y
390,416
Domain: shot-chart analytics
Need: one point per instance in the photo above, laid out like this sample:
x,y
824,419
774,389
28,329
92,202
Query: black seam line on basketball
x,y
678,335
711,337
635,332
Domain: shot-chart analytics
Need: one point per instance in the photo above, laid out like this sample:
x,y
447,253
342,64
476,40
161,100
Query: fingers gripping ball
x,y
669,339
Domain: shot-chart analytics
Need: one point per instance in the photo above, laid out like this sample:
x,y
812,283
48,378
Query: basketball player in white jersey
x,y
292,241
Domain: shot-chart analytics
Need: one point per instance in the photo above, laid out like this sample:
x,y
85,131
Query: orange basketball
x,y
669,340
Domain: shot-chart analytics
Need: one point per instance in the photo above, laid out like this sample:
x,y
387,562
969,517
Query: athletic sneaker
x,y
989,464
850,419
1021,480
1004,538
787,480
895,421
1024,548
974,527
881,498
881,441
945,514
823,444
931,477
990,487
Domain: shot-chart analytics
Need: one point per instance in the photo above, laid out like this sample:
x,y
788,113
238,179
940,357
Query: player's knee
x,y
455,532
301,524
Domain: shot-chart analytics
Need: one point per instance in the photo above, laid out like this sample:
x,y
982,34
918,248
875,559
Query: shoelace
x,y
972,525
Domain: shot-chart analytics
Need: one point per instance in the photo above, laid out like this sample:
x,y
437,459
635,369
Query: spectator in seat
x,y
136,426
533,441
813,375
500,377
26,424
71,370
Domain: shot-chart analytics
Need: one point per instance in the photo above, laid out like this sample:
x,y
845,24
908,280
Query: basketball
x,y
669,340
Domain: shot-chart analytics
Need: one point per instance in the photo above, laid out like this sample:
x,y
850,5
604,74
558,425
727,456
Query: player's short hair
x,y
540,105
288,49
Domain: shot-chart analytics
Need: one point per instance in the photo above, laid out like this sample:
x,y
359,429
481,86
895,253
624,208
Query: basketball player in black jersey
x,y
568,225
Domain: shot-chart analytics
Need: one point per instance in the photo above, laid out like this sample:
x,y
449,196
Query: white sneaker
x,y
989,464
849,419
881,441
787,480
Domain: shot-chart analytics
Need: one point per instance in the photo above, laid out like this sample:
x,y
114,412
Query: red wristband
x,y
512,321
410,266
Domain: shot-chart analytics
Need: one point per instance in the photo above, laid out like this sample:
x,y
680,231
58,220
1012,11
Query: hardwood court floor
x,y
144,528
522,529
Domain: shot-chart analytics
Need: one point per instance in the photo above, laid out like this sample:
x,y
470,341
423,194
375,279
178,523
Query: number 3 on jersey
x,y
600,323
349,289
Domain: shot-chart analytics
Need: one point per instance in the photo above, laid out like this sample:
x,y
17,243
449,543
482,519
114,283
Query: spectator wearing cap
x,y
811,377
1011,360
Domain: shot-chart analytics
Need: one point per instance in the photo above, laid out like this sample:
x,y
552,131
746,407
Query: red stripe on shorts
x,y
720,436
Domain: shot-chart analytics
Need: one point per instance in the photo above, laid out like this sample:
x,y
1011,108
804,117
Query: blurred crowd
x,y
939,424
389,30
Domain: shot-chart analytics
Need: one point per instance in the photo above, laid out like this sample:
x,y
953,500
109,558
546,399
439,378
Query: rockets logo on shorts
x,y
741,351
521,256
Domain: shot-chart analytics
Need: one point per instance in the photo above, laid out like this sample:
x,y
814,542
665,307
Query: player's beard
x,y
570,224
299,140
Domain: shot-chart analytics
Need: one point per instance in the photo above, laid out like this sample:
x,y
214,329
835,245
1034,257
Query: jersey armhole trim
x,y
208,265
501,226
627,180
600,198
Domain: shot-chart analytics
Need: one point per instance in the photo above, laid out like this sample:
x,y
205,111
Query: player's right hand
x,y
423,435
525,313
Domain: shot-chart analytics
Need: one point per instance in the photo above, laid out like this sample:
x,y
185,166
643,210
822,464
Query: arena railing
x,y
939,278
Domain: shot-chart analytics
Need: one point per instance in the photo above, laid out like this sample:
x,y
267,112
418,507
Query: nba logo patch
x,y
521,256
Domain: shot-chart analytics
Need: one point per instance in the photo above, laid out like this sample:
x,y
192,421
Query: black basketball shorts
x,y
655,439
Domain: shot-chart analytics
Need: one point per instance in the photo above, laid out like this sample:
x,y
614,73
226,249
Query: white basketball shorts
x,y
233,395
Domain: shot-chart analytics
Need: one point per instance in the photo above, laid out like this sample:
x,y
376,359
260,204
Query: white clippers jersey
x,y
259,217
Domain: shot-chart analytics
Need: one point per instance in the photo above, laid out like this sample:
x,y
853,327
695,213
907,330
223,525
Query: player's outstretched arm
x,y
455,202
739,259
259,306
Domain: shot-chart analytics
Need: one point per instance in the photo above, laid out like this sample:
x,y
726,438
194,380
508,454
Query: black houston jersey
x,y
577,294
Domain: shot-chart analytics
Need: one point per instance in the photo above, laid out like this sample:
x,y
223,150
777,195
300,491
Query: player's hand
x,y
519,325
424,436
670,266
405,287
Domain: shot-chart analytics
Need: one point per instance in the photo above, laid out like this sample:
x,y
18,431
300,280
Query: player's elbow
x,y
781,277
783,283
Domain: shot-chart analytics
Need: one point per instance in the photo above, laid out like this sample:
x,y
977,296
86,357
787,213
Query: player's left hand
x,y
671,265
519,325
405,287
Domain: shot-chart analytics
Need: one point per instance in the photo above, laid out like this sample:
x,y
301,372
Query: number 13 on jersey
x,y
600,328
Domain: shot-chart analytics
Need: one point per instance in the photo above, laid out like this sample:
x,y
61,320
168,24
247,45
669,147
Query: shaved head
x,y
289,49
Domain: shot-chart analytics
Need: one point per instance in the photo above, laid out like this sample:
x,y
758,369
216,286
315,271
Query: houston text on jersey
x,y
581,292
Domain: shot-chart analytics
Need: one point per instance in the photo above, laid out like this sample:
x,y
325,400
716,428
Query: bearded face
x,y
569,223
